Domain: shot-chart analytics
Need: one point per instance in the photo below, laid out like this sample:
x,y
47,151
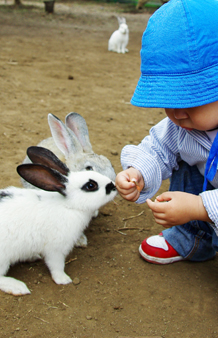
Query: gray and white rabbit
x,y
47,223
120,38
71,144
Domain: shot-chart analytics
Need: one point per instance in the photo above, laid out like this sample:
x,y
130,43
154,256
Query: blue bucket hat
x,y
179,56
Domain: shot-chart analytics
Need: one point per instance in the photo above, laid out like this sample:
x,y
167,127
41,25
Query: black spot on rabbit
x,y
110,187
4,194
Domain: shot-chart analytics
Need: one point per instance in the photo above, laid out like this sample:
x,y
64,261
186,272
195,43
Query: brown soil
x,y
57,64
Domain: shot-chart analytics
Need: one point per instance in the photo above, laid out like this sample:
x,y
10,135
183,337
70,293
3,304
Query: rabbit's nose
x,y
110,187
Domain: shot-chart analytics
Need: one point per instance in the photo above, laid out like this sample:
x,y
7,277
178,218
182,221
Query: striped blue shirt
x,y
160,152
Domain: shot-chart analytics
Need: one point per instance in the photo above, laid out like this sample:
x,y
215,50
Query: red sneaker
x,y
157,250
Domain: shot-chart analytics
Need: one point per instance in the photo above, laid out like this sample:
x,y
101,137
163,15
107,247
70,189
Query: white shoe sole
x,y
157,260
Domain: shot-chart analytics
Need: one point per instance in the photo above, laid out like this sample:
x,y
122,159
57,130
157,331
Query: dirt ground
x,y
57,64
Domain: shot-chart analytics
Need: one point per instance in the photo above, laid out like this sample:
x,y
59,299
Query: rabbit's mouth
x,y
110,187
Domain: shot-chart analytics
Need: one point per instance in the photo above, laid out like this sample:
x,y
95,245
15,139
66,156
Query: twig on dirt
x,y
130,228
49,306
71,260
130,217
115,203
106,214
122,233
11,62
41,320
63,303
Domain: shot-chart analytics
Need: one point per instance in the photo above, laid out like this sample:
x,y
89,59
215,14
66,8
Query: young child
x,y
179,72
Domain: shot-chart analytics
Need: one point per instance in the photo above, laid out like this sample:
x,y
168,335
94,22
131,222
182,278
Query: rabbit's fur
x,y
71,144
47,223
120,38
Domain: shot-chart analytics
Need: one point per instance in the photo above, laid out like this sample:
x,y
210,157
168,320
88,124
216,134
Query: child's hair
x,y
179,56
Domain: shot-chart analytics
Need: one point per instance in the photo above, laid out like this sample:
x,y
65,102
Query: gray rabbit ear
x,y
78,125
64,138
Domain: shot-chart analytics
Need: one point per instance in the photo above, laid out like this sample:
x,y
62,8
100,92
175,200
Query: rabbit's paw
x,y
13,286
82,241
95,214
60,277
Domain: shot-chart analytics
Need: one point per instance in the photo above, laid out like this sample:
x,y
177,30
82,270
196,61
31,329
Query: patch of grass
x,y
18,8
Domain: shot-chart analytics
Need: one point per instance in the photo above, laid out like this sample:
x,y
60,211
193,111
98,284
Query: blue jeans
x,y
196,240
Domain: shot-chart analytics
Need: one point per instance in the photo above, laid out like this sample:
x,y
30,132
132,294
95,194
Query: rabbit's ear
x,y
43,177
64,139
78,125
45,157
121,20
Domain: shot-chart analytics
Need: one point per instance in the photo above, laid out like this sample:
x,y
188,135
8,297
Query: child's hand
x,y
177,208
129,183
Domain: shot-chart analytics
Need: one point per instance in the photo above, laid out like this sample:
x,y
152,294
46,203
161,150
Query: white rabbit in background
x,y
120,38
47,223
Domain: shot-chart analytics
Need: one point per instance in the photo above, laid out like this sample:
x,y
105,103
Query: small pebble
x,y
76,281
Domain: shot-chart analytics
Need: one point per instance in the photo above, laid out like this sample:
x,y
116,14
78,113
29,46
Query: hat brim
x,y
177,90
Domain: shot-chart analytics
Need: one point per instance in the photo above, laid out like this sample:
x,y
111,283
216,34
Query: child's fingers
x,y
156,206
125,186
128,191
122,183
165,197
160,218
133,180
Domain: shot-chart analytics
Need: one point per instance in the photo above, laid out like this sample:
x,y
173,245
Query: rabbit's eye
x,y
90,186
89,167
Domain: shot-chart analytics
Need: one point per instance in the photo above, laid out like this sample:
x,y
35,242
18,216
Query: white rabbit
x,y
120,38
71,144
47,223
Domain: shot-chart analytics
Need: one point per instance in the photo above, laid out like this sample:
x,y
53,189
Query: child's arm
x,y
129,183
155,157
178,208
